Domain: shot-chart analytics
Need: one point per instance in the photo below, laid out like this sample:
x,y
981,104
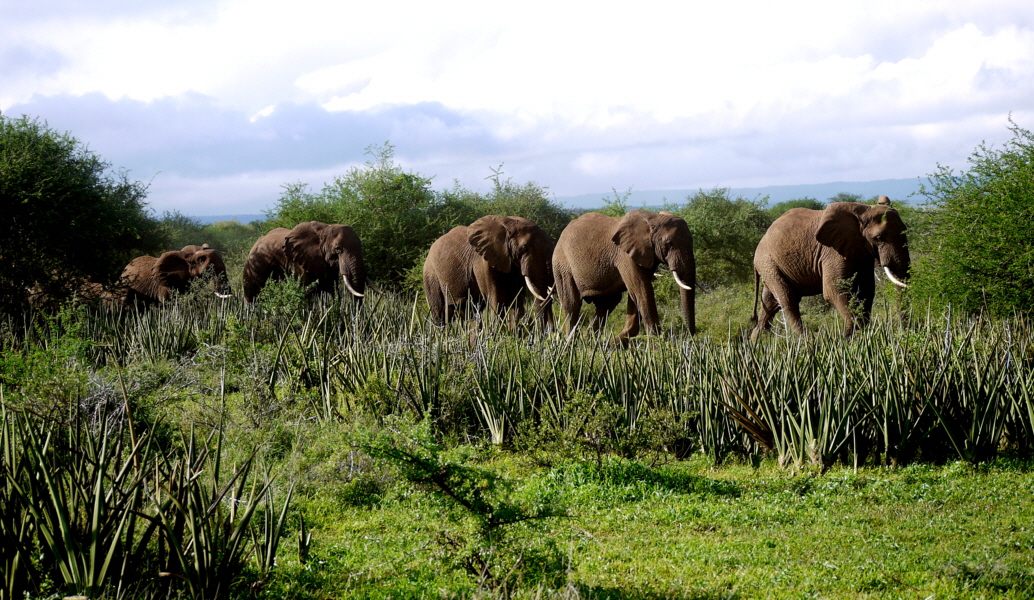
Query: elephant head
x,y
509,243
175,270
321,252
651,238
857,230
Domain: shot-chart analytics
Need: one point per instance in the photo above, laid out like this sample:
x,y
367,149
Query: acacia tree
x,y
979,254
66,215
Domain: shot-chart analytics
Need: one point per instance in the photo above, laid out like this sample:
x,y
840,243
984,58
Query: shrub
x,y
393,212
777,210
981,250
726,231
66,216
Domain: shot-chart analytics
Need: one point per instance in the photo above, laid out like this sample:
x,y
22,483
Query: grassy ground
x,y
685,530
315,390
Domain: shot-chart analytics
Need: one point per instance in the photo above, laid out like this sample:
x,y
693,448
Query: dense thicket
x,y
397,215
65,215
980,251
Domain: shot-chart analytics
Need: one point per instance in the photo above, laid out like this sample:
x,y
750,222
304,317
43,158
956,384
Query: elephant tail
x,y
757,280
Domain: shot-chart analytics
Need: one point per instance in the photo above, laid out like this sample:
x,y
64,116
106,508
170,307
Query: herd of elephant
x,y
502,262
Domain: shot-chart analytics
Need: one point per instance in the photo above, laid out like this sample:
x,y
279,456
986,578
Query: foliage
x,y
981,255
67,218
777,210
528,200
229,237
398,216
615,206
848,197
725,231
395,213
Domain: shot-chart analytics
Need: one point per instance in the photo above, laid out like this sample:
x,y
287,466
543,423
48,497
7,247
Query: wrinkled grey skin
x,y
487,264
598,258
313,252
807,252
150,280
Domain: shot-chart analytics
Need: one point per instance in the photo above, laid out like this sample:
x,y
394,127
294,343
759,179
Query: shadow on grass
x,y
620,473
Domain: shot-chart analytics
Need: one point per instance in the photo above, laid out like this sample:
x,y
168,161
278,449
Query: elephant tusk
x,y
679,281
527,280
893,279
223,296
352,289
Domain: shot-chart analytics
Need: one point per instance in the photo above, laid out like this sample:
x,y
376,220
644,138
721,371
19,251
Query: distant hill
x,y
243,219
899,190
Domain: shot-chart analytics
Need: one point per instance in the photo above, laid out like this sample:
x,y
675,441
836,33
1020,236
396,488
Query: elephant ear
x,y
635,236
172,271
488,235
302,245
841,229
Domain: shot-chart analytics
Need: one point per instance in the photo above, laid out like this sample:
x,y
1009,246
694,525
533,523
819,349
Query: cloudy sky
x,y
217,103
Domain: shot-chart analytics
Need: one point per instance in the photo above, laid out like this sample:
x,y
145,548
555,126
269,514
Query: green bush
x,y
228,237
66,216
777,210
529,200
726,231
980,255
395,213
398,216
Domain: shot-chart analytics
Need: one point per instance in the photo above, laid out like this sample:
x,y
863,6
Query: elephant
x,y
832,252
598,257
493,261
312,252
149,280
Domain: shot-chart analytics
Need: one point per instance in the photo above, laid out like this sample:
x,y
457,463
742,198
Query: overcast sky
x,y
219,103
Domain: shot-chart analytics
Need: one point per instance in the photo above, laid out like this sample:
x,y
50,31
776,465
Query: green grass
x,y
687,531
529,423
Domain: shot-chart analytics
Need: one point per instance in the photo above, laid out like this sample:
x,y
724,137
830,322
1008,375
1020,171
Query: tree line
x,y
69,217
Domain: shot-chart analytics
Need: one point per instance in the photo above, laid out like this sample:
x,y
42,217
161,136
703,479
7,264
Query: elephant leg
x,y
569,298
790,301
631,323
604,306
436,300
544,314
842,302
846,302
769,308
255,279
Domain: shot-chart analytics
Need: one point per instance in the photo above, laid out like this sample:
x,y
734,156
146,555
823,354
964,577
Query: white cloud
x,y
595,95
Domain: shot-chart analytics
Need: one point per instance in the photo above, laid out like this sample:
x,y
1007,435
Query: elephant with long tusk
x,y
495,261
831,252
598,258
313,252
149,279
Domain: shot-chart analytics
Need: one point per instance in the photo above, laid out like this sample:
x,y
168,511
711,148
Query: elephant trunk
x,y
353,275
895,263
684,272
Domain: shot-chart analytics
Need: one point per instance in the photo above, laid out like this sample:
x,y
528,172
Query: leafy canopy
x,y
66,216
980,253
725,231
392,211
398,216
